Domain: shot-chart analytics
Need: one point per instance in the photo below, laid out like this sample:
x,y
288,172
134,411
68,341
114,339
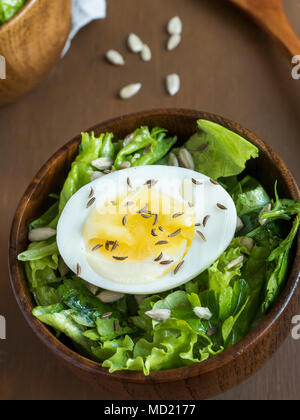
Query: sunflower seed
x,y
124,220
96,175
194,181
202,313
63,269
173,42
239,224
115,245
177,215
120,258
178,267
91,287
146,53
161,243
159,257
167,262
159,314
175,26
109,297
106,315
213,181
221,206
91,202
129,91
247,242
173,84
125,165
102,163
128,139
265,209
135,43
78,270
155,219
211,331
172,235
235,262
185,159
173,161
41,234
153,233
96,247
114,57
205,220
201,235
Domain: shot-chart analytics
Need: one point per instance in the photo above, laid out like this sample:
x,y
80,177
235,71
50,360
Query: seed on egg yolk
x,y
138,234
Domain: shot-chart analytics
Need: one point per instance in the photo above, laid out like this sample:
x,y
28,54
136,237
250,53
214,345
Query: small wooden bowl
x,y
198,381
31,42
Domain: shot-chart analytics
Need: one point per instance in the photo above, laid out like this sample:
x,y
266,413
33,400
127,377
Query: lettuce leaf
x,y
225,153
8,8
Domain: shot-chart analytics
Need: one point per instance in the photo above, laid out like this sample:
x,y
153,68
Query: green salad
x,y
8,9
238,289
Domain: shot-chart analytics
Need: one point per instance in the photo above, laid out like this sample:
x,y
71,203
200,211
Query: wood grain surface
x,y
227,67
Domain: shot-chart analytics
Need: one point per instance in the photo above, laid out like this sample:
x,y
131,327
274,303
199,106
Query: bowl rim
x,y
171,375
24,9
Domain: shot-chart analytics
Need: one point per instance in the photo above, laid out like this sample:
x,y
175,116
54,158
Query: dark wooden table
x,y
227,65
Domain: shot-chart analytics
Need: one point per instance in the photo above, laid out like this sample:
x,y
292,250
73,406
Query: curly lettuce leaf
x,y
8,8
219,152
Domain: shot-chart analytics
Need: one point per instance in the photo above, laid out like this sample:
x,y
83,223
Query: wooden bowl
x,y
197,381
31,42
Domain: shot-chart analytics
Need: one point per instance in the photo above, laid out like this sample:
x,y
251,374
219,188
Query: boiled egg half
x,y
146,229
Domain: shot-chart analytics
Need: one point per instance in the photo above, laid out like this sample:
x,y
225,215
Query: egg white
x,y
143,277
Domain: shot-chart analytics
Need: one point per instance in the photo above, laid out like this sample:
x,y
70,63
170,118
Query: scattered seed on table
x,y
146,53
115,58
129,91
135,43
173,42
175,25
173,84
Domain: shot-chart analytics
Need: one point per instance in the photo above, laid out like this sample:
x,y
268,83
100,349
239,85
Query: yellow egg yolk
x,y
140,225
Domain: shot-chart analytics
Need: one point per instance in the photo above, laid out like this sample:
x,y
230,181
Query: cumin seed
x,y
167,262
119,258
159,257
194,181
91,202
178,267
221,206
116,325
91,193
96,247
213,181
177,215
205,220
115,245
155,219
197,224
202,147
124,220
177,232
161,243
144,209
129,183
161,229
190,204
201,235
106,315
146,216
147,149
129,203
153,233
